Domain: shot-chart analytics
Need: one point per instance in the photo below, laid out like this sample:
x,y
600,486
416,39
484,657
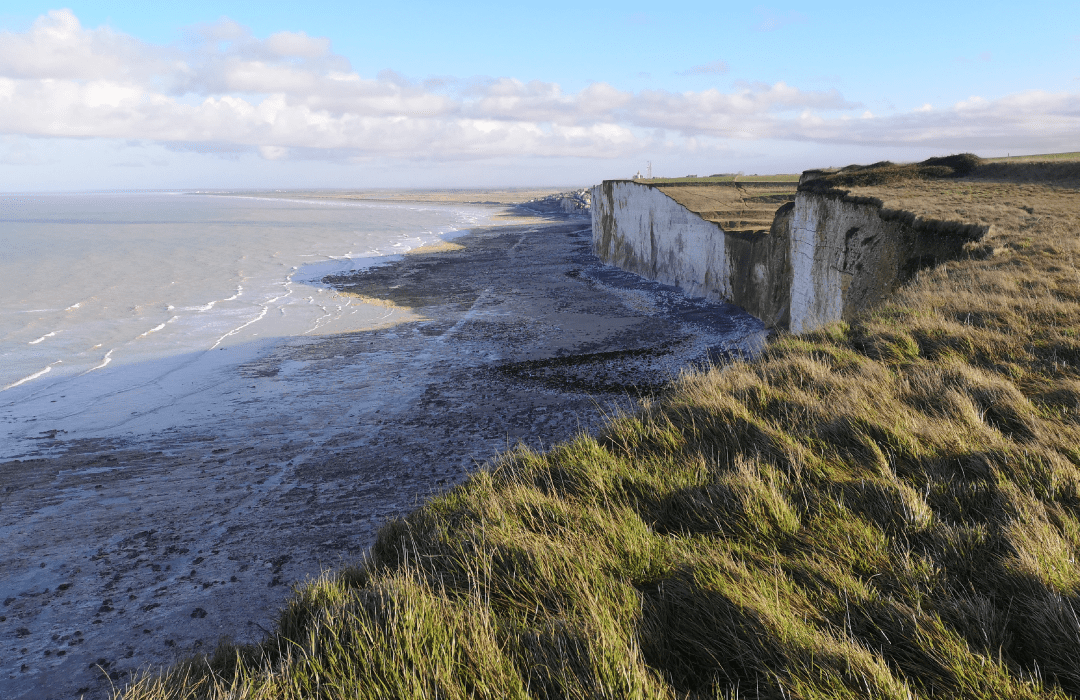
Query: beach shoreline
x,y
122,556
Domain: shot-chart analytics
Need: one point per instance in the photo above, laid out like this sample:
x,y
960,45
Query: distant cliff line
x,y
823,256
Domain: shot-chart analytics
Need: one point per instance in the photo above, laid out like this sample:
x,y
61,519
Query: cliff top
x,y
735,206
720,179
1051,170
957,190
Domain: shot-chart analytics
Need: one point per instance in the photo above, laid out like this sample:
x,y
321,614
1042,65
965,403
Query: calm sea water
x,y
91,284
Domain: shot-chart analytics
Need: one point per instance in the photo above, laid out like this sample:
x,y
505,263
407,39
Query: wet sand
x,y
118,557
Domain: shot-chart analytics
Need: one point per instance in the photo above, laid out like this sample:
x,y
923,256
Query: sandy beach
x,y
118,557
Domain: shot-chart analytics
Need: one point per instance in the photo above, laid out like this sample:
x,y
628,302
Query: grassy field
x,y
1045,157
793,178
887,508
747,207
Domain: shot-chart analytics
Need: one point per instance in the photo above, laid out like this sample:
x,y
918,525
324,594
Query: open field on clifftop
x,y
1072,156
886,508
735,207
792,178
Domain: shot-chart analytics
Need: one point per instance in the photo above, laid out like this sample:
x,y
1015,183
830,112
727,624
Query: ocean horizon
x,y
108,301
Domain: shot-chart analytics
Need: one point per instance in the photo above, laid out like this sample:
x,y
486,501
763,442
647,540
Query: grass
x,y
1041,158
746,207
711,179
888,508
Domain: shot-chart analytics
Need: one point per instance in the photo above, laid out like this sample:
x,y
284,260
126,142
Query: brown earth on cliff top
x,y
737,207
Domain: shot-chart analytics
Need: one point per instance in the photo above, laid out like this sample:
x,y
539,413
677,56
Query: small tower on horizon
x,y
648,171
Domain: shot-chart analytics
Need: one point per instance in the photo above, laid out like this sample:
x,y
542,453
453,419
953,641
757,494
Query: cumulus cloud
x,y
57,47
299,44
289,96
1032,119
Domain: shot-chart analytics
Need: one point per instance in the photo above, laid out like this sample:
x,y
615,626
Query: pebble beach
x,y
121,555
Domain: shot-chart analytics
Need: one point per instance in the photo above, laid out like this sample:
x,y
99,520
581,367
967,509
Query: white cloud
x,y
273,152
288,96
298,44
58,47
1030,120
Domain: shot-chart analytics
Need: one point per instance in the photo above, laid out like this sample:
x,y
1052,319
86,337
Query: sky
x,y
227,94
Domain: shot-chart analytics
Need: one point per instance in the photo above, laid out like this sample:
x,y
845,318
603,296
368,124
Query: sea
x,y
118,311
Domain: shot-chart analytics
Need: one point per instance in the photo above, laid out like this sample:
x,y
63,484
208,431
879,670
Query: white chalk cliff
x,y
825,258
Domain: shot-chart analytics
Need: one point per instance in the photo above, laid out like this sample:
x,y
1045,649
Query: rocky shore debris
x,y
119,557
577,202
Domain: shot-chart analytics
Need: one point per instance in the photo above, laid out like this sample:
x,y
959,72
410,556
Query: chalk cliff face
x,y
843,258
849,253
759,270
642,230
573,203
826,257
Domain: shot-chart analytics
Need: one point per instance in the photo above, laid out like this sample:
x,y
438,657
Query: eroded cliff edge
x,y
826,255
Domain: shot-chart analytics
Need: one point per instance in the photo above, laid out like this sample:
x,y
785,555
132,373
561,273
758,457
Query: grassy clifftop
x,y
889,508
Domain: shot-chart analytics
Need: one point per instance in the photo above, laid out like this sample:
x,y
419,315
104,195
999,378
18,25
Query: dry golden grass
x,y
888,508
746,207
1041,158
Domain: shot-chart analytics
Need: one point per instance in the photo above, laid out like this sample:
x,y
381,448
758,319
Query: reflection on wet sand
x,y
117,556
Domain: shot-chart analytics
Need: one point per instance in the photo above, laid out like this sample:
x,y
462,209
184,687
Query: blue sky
x,y
243,94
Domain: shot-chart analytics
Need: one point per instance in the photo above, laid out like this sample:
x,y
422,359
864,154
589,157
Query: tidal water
x,y
114,307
